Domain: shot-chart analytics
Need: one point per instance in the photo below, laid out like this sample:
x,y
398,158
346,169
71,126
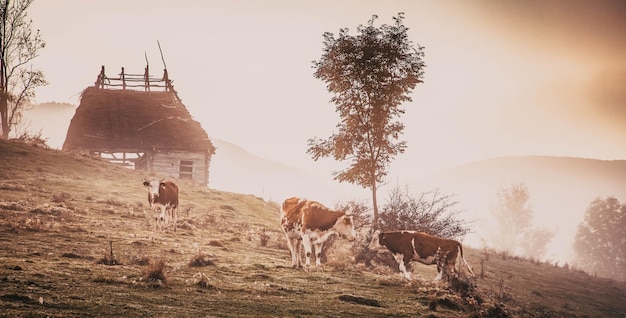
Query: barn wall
x,y
179,165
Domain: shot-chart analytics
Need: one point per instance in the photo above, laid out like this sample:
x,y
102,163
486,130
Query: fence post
x,y
146,78
100,81
123,79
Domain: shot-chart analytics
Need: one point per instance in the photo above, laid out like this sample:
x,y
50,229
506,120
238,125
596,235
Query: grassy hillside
x,y
76,239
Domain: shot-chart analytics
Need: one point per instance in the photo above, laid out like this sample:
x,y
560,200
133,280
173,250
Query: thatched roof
x,y
109,120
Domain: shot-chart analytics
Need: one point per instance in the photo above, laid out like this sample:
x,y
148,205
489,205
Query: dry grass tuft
x,y
202,280
155,274
200,260
108,260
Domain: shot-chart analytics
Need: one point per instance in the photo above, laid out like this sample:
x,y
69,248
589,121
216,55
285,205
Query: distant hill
x,y
236,170
560,188
52,119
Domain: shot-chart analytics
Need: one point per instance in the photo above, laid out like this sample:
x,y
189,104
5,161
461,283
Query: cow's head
x,y
153,189
345,227
375,244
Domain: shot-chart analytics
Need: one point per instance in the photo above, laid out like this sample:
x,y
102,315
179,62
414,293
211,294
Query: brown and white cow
x,y
163,195
309,223
407,246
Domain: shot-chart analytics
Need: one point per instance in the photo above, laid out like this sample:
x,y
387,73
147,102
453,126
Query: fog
x,y
502,78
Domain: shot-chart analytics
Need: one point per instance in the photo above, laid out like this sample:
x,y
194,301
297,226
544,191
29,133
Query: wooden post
x,y
123,79
146,78
100,81
166,80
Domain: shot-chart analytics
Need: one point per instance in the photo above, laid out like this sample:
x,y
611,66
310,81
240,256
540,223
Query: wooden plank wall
x,y
167,164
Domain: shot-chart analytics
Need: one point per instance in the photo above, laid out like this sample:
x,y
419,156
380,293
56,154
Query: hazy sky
x,y
502,77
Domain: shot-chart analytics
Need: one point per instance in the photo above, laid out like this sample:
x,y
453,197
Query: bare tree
x,y
19,46
430,212
370,74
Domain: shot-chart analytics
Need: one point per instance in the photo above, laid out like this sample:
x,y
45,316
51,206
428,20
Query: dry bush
x,y
35,140
141,260
202,280
155,274
264,238
200,260
109,259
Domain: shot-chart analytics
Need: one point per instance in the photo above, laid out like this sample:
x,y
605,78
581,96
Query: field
x,y
77,239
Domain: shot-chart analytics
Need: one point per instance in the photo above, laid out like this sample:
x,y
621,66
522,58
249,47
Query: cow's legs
x,y
294,249
166,215
306,242
400,259
298,252
439,273
291,250
161,218
318,255
175,216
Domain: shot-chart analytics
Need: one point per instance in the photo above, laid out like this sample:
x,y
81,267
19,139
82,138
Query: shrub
x,y
155,274
200,260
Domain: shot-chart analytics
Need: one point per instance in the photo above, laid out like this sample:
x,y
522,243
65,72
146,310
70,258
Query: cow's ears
x,y
146,183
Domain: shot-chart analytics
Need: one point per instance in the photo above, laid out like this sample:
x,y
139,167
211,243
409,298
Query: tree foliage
x,y
600,242
19,46
514,231
429,212
370,75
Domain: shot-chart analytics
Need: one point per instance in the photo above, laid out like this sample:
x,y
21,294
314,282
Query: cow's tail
x,y
464,261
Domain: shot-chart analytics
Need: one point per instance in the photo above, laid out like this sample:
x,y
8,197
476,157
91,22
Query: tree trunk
x,y
4,117
375,206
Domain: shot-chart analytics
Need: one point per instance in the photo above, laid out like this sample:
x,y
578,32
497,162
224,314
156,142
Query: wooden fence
x,y
135,81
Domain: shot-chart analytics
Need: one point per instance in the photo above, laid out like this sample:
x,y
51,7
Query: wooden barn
x,y
140,122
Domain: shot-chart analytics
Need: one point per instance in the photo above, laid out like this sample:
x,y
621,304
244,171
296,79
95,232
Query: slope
x,y
77,239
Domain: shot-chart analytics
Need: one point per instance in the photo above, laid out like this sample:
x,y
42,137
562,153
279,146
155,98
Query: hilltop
x,y
77,239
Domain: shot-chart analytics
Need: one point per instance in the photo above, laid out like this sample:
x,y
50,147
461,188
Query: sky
x,y
502,77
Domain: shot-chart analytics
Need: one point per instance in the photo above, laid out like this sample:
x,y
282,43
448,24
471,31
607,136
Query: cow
x,y
164,195
309,223
407,246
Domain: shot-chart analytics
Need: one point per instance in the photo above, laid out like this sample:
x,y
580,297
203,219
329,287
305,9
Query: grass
x,y
77,239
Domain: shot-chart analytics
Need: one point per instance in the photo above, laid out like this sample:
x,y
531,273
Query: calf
x,y
427,249
164,195
309,223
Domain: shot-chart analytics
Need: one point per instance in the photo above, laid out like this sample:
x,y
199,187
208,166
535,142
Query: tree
x,y
370,75
600,242
429,212
514,217
19,46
